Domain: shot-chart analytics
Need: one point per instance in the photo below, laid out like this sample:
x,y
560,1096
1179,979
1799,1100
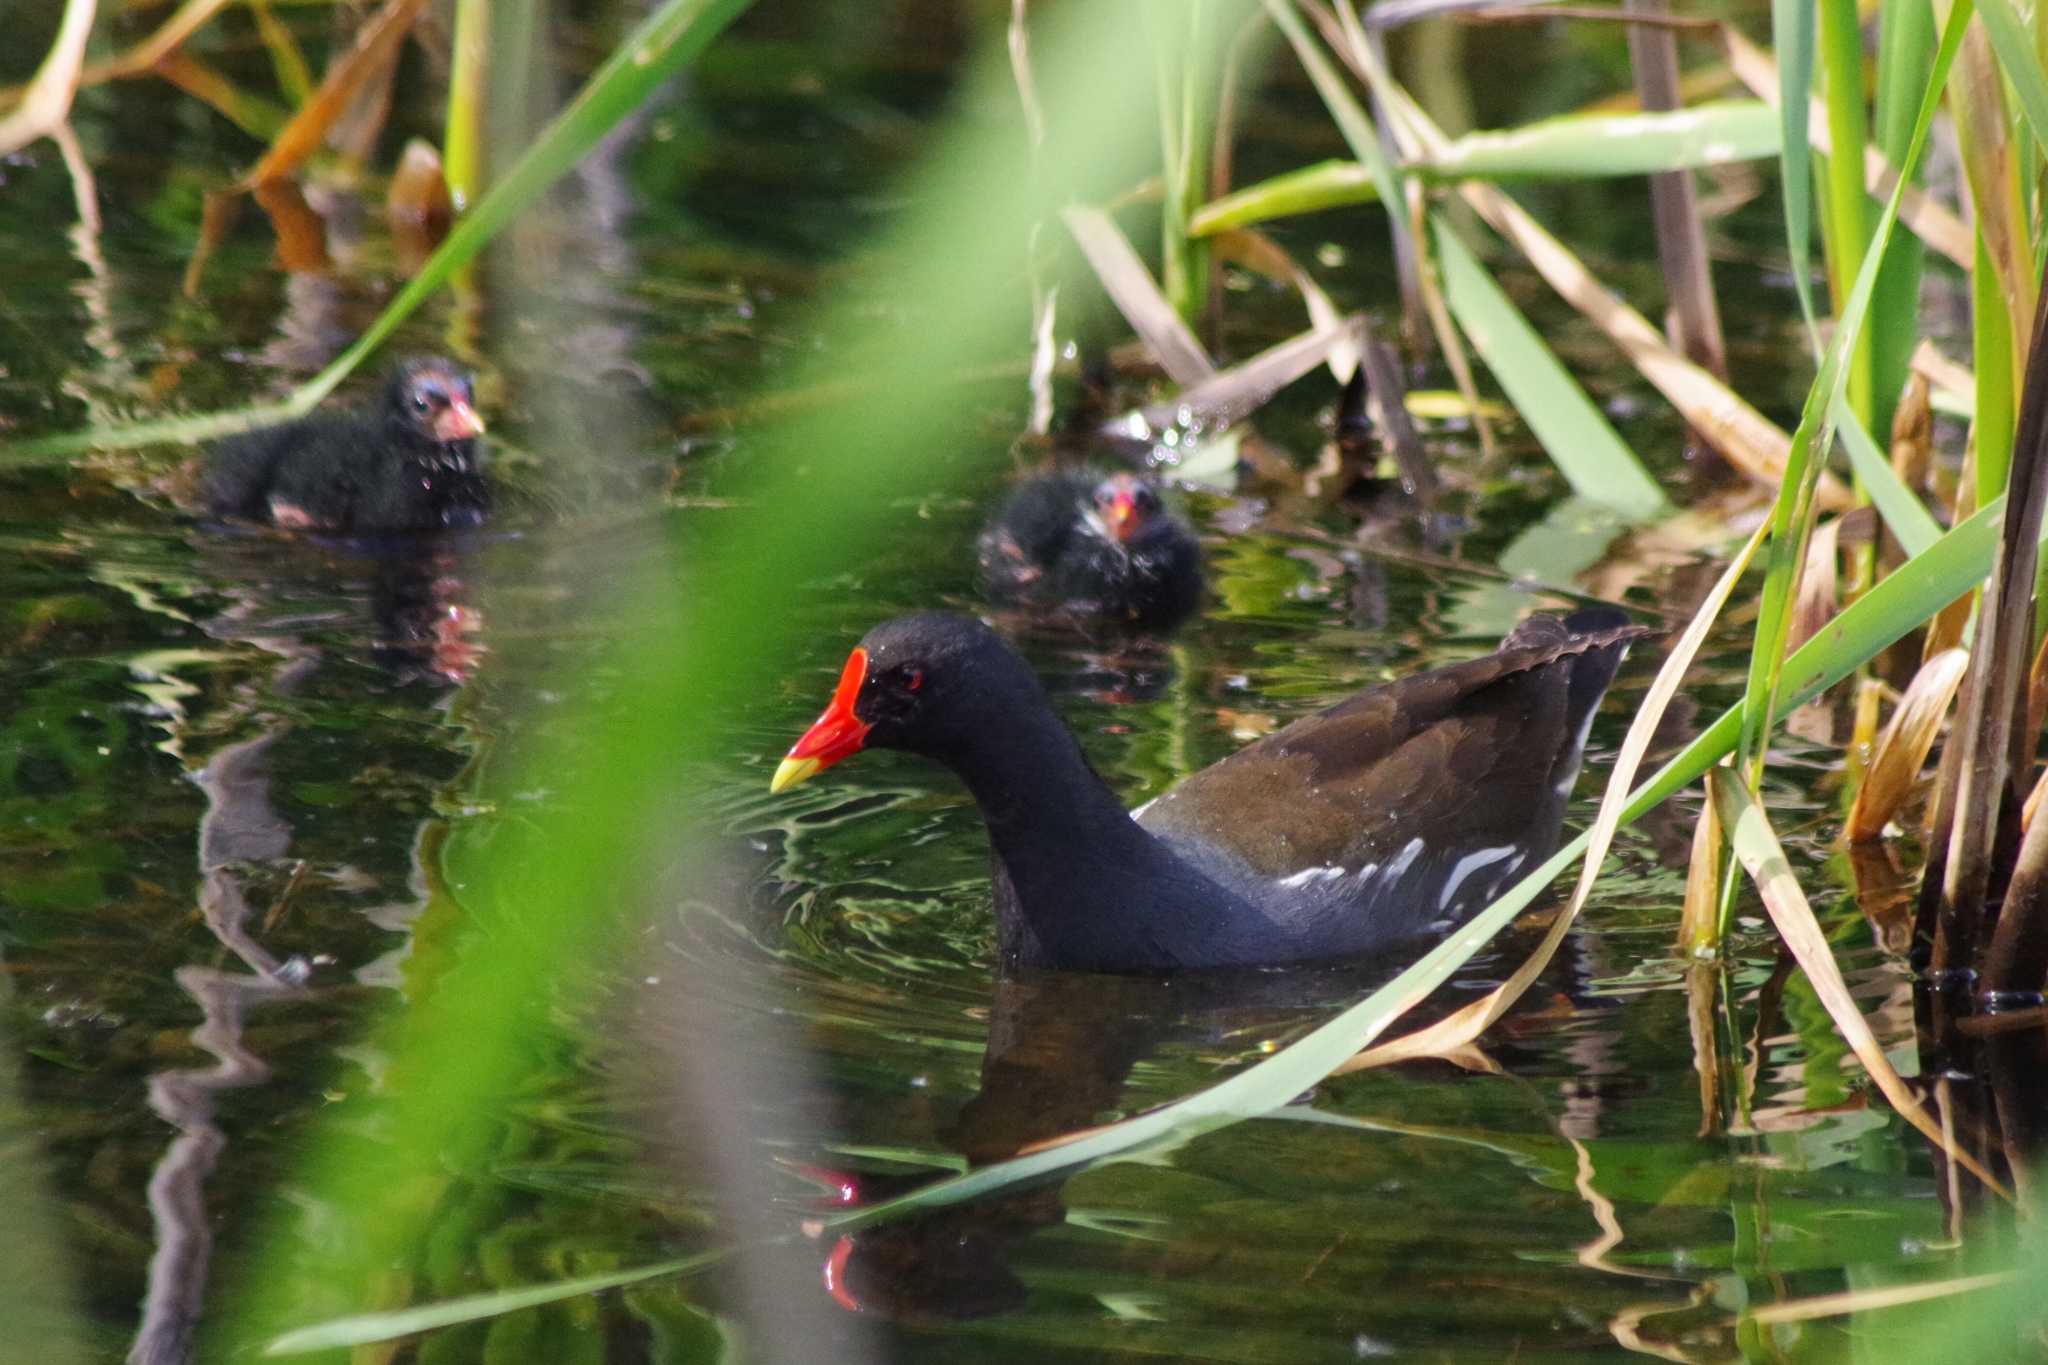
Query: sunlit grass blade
x,y
666,40
1577,435
1756,848
1312,189
1585,146
1902,749
364,1328
1473,1019
1576,146
1873,1300
1138,297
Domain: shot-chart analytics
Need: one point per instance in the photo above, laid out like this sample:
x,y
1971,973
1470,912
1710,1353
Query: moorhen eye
x,y
408,464
1397,812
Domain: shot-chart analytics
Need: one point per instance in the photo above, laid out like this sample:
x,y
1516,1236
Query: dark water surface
x,y
244,783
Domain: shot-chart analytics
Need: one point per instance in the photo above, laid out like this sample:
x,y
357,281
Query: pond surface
x,y
245,780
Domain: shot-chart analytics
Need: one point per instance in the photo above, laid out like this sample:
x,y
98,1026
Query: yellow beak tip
x,y
790,772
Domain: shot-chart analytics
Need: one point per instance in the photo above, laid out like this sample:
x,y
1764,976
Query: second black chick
x,y
412,462
1090,547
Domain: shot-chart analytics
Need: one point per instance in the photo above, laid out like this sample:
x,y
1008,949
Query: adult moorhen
x,y
411,463
1092,548
1396,811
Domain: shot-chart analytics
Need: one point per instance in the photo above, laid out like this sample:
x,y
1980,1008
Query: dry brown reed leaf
x,y
1815,604
1758,850
1931,220
301,233
2033,802
1702,984
1226,395
1464,1025
1698,930
1940,371
1867,1300
418,206
1903,747
2037,691
375,45
1912,444
1137,296
46,99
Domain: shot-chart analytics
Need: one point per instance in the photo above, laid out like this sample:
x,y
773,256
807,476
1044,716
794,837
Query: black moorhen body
x,y
1092,547
411,463
1399,810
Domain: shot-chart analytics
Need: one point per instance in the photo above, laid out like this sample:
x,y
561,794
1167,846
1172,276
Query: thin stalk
x,y
1846,221
468,95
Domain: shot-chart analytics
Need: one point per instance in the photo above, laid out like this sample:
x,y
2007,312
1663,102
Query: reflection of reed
x,y
184,1098
239,825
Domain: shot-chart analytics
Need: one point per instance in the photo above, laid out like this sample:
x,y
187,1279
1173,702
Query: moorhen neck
x,y
411,463
1400,810
1092,548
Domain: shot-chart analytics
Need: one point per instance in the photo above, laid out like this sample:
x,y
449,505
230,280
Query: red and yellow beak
x,y
457,422
835,735
1123,514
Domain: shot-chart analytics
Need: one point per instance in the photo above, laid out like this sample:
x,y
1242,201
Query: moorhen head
x,y
1092,548
1395,813
413,462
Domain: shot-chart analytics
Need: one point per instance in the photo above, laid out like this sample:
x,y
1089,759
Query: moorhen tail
x,y
1092,548
1400,810
411,463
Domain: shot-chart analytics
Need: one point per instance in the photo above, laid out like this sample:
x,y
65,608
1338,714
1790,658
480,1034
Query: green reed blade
x,y
1792,515
1905,46
1792,35
1904,513
1583,146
